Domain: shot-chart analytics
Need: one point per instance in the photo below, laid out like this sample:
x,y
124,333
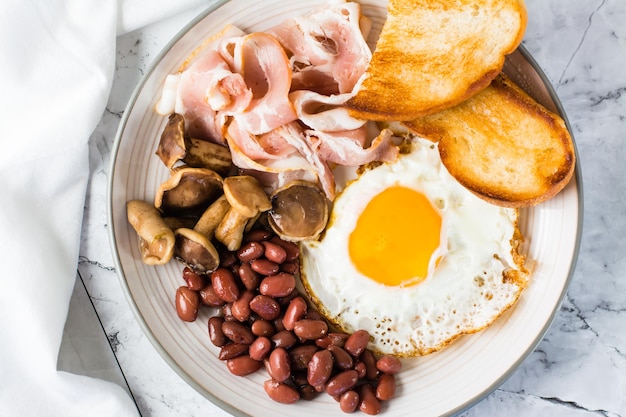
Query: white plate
x,y
439,384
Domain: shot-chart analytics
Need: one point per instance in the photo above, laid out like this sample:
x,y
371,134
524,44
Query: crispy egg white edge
x,y
421,166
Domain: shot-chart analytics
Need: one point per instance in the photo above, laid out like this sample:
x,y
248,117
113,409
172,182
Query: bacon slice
x,y
294,135
277,98
205,94
328,51
265,69
266,153
346,148
267,146
325,113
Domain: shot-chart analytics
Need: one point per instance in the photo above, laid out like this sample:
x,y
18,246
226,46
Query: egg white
x,y
480,274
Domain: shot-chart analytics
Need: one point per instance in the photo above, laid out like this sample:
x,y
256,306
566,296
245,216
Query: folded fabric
x,y
56,66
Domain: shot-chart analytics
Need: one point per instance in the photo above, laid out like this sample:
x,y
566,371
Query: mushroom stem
x,y
212,217
247,199
156,239
231,229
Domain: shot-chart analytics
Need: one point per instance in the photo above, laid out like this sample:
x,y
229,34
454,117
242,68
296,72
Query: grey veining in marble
x,y
579,368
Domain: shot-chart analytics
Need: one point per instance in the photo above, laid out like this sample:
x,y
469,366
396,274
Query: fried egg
x,y
413,257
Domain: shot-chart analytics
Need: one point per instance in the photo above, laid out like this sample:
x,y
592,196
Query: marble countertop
x,y
579,368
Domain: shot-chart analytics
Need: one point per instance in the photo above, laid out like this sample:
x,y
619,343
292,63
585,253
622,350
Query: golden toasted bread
x,y
502,145
432,55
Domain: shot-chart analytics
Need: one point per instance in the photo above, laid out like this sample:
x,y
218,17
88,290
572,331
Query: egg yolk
x,y
395,237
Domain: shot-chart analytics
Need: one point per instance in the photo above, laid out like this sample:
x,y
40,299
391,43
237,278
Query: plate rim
x,y
119,269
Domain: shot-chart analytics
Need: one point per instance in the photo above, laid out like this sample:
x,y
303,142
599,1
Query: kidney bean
x,y
243,365
369,403
248,277
241,307
227,259
187,303
227,312
209,297
279,365
389,364
342,382
300,356
313,315
262,327
194,281
299,378
225,285
260,348
357,342
291,249
281,392
320,368
349,401
307,392
266,307
250,251
338,339
274,252
369,360
290,267
296,310
216,335
237,332
308,329
278,285
278,324
284,339
386,388
284,301
343,360
264,266
232,350
360,368
257,235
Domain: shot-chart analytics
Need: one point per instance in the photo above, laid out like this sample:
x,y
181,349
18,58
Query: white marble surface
x,y
579,369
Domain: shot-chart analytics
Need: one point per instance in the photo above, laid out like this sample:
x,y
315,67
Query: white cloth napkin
x,y
56,66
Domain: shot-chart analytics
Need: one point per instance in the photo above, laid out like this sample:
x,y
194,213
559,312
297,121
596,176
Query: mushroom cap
x,y
189,191
171,147
204,154
299,211
245,195
196,251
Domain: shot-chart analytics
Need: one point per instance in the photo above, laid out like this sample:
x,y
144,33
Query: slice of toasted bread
x,y
432,55
503,145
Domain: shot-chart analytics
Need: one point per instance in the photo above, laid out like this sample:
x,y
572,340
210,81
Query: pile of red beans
x,y
263,321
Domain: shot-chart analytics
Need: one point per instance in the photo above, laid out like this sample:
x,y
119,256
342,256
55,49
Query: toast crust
x,y
502,145
432,55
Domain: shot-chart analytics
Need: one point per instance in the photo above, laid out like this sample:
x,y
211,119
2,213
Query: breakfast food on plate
x,y
413,257
432,55
503,145
287,180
